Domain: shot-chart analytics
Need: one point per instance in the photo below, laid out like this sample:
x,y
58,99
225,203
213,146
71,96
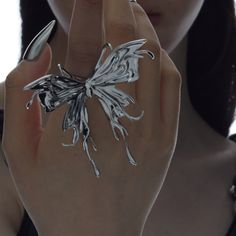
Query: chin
x,y
170,46
172,35
169,41
65,25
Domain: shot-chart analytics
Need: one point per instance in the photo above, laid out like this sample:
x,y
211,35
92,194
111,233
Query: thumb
x,y
22,128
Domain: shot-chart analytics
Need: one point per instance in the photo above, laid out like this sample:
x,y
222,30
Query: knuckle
x,y
14,78
120,28
10,80
170,68
178,77
154,47
175,74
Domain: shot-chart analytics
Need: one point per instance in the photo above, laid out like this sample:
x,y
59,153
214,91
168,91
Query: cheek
x,y
177,20
62,10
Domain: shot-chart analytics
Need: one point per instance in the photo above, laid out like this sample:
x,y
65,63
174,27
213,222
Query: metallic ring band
x,y
121,66
133,1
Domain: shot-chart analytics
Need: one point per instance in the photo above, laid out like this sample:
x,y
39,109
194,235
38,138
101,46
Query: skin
x,y
36,157
192,155
217,166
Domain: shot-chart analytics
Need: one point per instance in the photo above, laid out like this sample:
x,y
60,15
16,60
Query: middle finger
x,y
120,27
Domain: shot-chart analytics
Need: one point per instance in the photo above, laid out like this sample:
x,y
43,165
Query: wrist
x,y
99,230
93,222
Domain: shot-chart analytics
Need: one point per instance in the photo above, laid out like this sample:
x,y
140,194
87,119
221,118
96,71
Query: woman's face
x,y
175,17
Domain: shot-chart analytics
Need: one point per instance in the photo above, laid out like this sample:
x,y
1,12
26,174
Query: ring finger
x,y
148,88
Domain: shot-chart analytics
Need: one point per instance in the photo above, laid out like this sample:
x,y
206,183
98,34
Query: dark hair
x,y
35,15
210,58
211,61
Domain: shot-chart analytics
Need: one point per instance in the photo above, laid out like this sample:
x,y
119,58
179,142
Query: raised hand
x,y
55,183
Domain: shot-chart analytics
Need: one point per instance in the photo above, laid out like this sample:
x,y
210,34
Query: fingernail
x,y
36,46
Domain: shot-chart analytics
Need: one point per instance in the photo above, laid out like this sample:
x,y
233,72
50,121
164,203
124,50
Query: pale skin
x,y
48,175
192,155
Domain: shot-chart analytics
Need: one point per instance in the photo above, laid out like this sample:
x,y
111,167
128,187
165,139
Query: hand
x,y
56,184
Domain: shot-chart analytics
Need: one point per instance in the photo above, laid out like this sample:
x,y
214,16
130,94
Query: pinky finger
x,y
170,94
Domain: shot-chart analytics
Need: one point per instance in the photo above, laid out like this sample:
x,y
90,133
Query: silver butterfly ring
x,y
121,66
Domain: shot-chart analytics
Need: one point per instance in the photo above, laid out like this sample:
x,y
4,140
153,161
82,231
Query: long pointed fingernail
x,y
36,46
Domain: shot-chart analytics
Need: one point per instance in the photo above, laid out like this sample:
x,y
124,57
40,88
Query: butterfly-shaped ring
x,y
120,66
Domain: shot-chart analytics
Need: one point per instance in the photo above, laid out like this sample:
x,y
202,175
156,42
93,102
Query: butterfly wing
x,y
77,118
53,91
113,101
119,67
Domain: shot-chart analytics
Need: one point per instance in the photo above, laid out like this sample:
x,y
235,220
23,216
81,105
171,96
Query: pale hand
x,y
56,184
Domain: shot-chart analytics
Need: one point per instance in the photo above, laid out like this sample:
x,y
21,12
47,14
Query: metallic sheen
x,y
36,46
121,66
